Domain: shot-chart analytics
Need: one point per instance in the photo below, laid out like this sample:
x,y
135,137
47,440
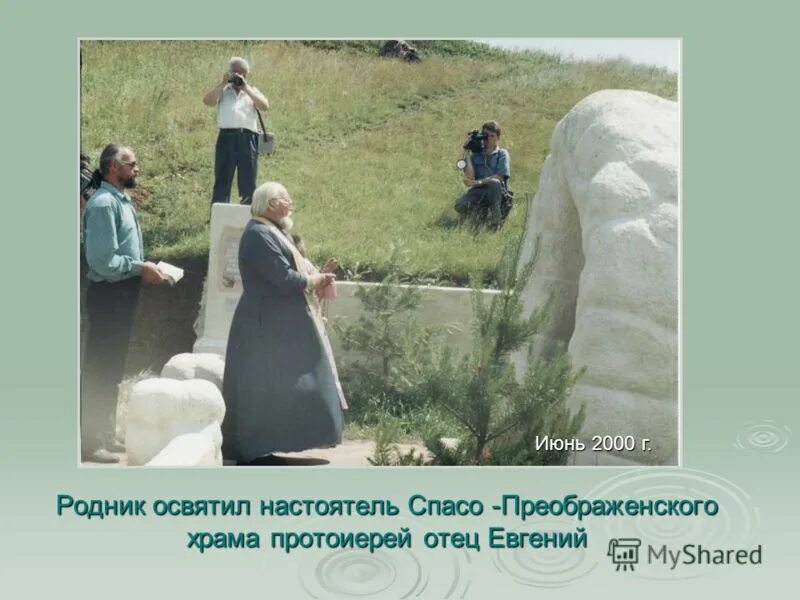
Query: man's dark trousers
x,y
482,203
236,150
111,308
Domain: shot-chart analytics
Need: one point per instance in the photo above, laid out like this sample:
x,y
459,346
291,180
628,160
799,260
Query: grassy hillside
x,y
366,145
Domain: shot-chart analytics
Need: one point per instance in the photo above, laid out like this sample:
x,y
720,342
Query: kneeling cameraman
x,y
486,174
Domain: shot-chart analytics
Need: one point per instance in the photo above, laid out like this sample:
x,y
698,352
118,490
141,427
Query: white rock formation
x,y
606,213
206,366
201,449
162,409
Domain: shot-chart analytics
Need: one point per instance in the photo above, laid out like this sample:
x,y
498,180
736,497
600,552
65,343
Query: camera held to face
x,y
476,141
236,79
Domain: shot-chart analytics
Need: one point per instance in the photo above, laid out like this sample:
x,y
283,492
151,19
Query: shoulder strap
x,y
261,121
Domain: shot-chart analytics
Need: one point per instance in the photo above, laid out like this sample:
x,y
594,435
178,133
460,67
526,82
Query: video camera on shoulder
x,y
476,141
87,180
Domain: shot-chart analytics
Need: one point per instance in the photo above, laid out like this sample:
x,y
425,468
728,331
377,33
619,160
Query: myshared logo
x,y
697,554
625,553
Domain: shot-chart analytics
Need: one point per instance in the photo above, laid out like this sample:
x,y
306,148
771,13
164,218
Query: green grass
x,y
367,145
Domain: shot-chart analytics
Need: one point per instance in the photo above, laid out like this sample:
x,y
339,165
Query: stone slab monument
x,y
606,216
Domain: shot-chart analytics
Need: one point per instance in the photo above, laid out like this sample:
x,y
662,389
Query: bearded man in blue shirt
x,y
114,253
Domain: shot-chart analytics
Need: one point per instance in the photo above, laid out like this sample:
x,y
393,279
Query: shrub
x,y
392,348
500,418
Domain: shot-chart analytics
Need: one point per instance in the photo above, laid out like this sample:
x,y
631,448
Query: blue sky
x,y
661,52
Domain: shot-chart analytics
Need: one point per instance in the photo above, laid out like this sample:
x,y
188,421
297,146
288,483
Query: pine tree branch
x,y
459,418
501,431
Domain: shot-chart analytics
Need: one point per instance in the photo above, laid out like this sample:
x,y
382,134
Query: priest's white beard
x,y
286,224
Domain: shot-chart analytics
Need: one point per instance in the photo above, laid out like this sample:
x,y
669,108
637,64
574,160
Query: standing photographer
x,y
485,174
237,142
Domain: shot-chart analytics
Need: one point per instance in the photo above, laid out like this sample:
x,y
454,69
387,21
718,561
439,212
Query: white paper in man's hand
x,y
171,272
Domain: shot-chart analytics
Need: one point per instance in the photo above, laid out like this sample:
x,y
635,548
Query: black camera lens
x,y
236,79
475,141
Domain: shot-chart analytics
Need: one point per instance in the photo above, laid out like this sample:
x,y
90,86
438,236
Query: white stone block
x,y
201,449
223,285
162,409
207,366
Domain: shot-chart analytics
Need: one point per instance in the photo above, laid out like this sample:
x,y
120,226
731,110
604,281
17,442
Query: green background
x,y
740,331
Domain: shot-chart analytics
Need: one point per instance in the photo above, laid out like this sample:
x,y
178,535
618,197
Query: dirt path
x,y
351,453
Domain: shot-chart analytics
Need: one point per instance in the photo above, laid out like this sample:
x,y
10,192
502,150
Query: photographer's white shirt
x,y
235,111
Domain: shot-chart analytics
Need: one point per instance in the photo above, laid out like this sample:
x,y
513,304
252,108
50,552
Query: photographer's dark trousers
x,y
111,308
481,203
236,150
